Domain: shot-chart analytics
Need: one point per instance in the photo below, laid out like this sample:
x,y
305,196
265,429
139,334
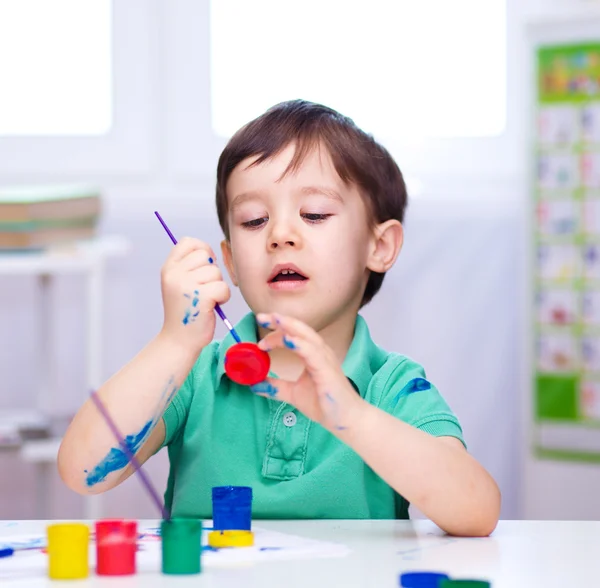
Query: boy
x,y
311,208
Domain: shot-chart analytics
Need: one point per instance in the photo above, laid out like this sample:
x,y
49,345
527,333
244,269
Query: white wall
x,y
454,302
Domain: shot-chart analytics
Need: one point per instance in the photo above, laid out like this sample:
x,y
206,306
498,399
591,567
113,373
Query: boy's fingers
x,y
290,325
186,246
195,259
211,293
206,274
313,355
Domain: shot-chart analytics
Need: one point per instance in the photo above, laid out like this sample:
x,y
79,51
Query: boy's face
x,y
308,221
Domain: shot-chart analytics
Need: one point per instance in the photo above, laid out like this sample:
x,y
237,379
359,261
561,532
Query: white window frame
x,y
194,148
130,144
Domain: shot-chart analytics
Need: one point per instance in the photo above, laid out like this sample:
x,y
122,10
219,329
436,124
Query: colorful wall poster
x,y
567,253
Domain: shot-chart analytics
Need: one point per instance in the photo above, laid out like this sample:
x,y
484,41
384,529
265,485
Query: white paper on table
x,y
31,563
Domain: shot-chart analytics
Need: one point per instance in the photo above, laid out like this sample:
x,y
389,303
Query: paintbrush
x,y
130,456
218,309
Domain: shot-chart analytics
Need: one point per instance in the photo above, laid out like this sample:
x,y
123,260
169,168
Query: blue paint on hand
x,y
288,342
335,410
117,459
264,325
415,385
264,388
190,315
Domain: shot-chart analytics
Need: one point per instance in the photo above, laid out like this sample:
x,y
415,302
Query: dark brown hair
x,y
357,158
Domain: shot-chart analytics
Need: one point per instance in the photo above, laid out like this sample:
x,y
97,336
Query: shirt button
x,y
289,419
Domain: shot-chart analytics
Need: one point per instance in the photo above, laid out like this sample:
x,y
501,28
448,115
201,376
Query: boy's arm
x,y
436,474
90,459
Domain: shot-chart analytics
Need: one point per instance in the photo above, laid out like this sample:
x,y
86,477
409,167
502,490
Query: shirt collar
x,y
362,361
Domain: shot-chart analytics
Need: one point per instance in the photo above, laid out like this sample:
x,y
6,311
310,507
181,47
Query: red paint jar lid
x,y
246,364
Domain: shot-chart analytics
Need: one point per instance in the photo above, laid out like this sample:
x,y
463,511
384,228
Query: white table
x,y
88,259
519,554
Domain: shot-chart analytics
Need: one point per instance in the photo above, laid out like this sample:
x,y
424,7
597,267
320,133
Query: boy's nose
x,y
283,233
277,243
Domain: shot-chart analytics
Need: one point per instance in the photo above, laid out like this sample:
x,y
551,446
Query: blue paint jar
x,y
232,508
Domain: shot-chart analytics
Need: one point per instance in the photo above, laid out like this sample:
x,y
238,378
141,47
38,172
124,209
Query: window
x,y
55,67
431,68
78,90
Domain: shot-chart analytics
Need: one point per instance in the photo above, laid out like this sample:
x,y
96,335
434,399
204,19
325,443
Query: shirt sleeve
x,y
413,399
175,416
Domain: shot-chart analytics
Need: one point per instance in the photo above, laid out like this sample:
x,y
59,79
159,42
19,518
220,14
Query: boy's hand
x,y
322,393
191,285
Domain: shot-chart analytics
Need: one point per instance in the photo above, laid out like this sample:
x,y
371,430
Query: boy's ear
x,y
228,261
387,243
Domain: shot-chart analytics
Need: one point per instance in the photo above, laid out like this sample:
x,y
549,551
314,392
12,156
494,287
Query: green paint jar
x,y
181,546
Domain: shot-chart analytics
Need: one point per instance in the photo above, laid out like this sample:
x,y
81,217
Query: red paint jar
x,y
116,545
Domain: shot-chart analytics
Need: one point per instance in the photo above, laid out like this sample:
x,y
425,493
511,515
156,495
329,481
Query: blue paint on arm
x,y
415,385
335,412
116,459
186,317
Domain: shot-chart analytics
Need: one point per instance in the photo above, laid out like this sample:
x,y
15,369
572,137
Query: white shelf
x,y
40,450
63,259
23,418
87,258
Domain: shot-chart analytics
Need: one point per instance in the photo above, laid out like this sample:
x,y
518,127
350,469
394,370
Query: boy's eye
x,y
255,223
314,217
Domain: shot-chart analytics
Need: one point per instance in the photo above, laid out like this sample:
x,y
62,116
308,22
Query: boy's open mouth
x,y
286,273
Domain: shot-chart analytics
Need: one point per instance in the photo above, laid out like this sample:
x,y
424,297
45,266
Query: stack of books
x,y
42,216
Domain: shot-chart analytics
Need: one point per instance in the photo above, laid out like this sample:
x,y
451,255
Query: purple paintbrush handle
x,y
130,456
217,307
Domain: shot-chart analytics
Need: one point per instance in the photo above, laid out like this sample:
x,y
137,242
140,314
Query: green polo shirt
x,y
220,433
